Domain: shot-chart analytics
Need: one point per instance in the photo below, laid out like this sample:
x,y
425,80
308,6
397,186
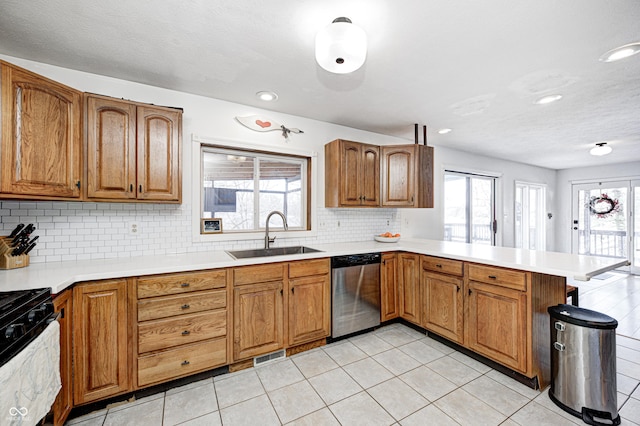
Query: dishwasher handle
x,y
355,260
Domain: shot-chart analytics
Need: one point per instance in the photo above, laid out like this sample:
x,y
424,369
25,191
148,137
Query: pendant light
x,y
341,47
601,148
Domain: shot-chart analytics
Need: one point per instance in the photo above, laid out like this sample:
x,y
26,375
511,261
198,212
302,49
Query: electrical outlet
x,y
133,228
387,222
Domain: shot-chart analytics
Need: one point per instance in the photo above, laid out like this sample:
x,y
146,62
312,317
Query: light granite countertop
x,y
60,275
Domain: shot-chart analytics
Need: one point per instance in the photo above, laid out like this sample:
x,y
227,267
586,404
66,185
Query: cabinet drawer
x,y
510,278
165,333
258,274
306,268
444,266
162,285
181,361
190,303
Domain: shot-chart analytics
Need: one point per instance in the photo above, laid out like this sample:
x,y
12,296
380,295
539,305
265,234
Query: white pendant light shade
x,y
600,149
341,47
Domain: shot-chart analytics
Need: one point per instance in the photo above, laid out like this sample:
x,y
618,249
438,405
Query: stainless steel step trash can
x,y
583,364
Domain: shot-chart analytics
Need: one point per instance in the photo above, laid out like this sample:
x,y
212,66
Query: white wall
x,y
428,223
567,177
74,231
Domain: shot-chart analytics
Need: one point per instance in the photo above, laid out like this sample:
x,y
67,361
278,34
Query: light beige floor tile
x,y
398,398
636,393
344,352
238,388
314,363
429,415
496,395
295,401
628,354
360,409
397,337
371,344
367,372
626,384
189,386
412,332
256,411
211,419
322,417
428,383
513,384
467,360
189,404
396,361
85,418
534,414
468,410
628,342
335,385
453,370
437,345
509,422
544,400
145,414
134,402
622,398
628,368
421,352
631,410
279,374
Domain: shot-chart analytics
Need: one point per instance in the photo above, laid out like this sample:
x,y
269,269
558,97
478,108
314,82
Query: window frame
x,y
542,215
197,178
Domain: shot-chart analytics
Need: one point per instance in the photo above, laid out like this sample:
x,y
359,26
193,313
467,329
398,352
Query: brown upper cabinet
x,y
133,151
364,175
407,176
352,177
41,137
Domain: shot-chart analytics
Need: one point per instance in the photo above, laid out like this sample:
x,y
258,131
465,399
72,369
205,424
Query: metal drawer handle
x,y
186,306
493,277
558,346
559,326
185,362
186,333
185,285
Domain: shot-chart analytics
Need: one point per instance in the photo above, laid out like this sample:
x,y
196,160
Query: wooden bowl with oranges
x,y
387,237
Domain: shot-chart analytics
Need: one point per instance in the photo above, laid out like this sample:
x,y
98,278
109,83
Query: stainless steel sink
x,y
274,251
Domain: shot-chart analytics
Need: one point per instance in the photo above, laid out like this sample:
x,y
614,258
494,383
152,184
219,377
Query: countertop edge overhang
x,y
60,275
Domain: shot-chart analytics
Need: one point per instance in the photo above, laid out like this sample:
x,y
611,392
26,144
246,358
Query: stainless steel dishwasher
x,y
355,293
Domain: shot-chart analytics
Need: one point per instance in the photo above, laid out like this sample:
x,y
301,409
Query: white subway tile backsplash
x,y
79,231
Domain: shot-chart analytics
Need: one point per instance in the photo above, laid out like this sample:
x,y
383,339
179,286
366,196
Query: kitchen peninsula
x,y
144,321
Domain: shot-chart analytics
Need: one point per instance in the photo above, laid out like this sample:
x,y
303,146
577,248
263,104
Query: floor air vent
x,y
259,360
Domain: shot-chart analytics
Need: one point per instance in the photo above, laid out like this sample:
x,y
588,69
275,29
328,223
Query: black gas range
x,y
24,314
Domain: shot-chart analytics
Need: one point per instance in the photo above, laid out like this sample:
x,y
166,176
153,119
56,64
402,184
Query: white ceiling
x,y
473,66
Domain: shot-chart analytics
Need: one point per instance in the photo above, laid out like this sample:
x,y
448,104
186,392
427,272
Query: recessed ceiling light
x,y
267,96
548,99
444,131
601,148
621,52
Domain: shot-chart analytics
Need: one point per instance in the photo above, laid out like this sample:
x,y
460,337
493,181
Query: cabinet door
x,y
351,174
64,401
443,305
409,286
101,349
159,141
370,175
496,325
389,287
41,136
111,148
258,313
398,176
309,309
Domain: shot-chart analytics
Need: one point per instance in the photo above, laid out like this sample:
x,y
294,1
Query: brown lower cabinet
x,y
102,340
409,287
389,308
443,297
63,304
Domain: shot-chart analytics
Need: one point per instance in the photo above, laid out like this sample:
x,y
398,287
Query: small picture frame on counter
x,y
211,226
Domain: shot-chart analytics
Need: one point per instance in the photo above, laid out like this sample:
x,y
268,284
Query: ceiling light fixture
x,y
341,47
600,149
444,131
548,99
267,96
621,52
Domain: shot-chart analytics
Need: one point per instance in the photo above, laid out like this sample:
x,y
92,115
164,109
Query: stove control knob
x,y
35,315
14,331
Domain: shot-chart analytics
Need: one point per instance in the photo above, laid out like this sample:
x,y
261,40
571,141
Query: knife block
x,y
11,262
